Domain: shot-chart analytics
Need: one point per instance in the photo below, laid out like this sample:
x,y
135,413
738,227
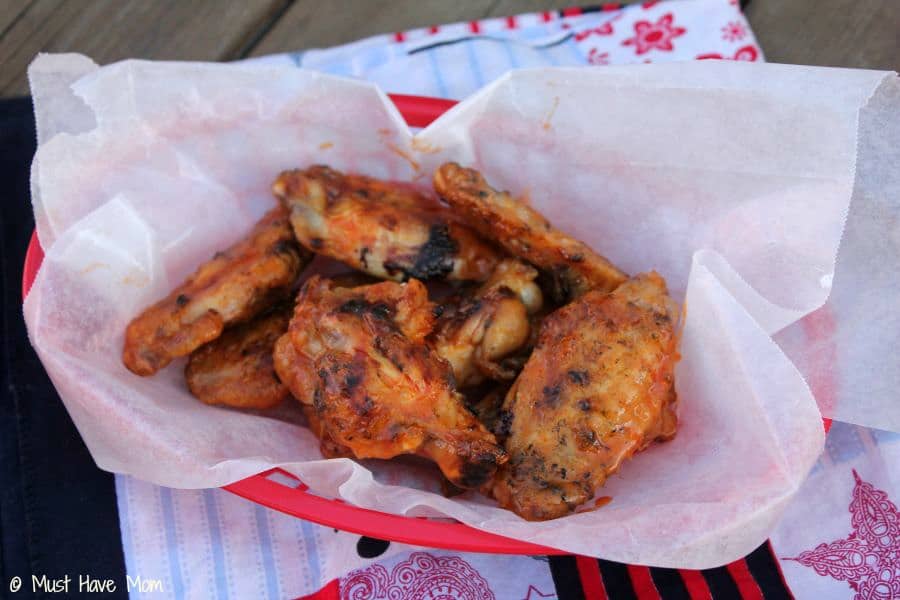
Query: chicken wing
x,y
574,268
375,385
233,287
479,333
385,229
487,405
236,369
598,388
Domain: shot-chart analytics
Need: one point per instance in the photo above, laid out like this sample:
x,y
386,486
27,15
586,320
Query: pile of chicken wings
x,y
529,368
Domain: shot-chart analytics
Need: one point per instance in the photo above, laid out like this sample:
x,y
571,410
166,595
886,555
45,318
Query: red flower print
x,y
595,57
734,31
605,29
869,558
748,53
649,36
649,4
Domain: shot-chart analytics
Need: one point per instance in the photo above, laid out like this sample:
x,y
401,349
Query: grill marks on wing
x,y
380,390
386,229
571,266
234,287
598,388
433,259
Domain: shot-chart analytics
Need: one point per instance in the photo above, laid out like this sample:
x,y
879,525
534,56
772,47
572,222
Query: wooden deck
x,y
844,33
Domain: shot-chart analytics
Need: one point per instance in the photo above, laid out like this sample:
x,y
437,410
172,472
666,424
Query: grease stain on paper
x,y
546,124
93,267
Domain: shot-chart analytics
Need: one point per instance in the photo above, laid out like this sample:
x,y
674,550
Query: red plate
x,y
282,491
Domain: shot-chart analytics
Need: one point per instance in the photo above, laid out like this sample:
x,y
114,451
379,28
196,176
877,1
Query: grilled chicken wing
x,y
487,406
385,229
573,267
478,333
233,287
236,369
598,388
376,387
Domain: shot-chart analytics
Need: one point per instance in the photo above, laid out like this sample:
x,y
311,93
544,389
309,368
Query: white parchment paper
x,y
732,180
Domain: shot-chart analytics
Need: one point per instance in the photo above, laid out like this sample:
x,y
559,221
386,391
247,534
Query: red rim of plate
x,y
418,111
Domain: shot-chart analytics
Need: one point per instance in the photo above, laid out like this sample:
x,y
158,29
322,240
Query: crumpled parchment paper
x,y
732,180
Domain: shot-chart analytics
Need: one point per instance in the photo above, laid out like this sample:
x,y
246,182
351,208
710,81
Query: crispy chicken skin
x,y
573,266
479,332
233,287
298,374
385,229
236,369
377,388
487,406
598,388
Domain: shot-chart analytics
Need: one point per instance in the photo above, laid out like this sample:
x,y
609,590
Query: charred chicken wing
x,y
573,267
479,332
377,388
236,369
385,229
235,286
598,388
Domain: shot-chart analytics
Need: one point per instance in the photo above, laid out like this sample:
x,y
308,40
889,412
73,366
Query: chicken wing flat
x,y
479,332
233,287
385,229
377,388
598,388
573,266
236,369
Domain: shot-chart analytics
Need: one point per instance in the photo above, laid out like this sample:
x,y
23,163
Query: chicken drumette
x,y
480,335
382,228
359,358
235,286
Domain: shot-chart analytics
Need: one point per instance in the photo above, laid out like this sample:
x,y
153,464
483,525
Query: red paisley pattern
x,y
422,576
869,558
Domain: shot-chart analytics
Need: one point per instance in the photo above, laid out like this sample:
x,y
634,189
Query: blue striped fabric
x,y
265,547
172,545
215,542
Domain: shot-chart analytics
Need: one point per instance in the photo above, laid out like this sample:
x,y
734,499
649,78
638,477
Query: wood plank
x,y
111,30
505,8
313,24
10,12
836,33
